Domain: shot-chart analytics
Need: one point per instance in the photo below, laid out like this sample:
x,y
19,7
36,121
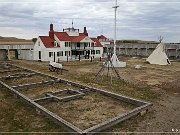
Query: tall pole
x,y
114,58
115,8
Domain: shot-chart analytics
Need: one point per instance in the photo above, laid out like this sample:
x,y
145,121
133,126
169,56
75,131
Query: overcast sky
x,y
136,19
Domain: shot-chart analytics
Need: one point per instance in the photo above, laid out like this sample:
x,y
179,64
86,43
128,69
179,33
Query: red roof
x,y
98,44
47,41
63,36
78,38
101,37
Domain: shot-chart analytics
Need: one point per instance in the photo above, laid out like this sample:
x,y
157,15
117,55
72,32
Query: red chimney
x,y
51,31
85,31
51,27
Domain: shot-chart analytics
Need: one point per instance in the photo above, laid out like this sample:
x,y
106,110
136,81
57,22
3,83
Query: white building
x,y
67,45
105,42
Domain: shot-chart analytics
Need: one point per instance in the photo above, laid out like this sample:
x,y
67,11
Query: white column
x,y
115,61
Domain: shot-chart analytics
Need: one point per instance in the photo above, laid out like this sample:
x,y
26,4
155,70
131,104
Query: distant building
x,y
67,45
105,43
19,48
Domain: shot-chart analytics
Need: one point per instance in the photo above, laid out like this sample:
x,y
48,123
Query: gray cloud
x,y
137,19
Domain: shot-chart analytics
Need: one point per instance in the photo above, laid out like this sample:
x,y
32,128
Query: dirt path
x,y
166,115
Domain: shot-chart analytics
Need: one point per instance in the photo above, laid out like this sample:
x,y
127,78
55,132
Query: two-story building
x,y
69,44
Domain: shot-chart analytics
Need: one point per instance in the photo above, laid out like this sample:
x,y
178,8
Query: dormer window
x,y
58,45
55,43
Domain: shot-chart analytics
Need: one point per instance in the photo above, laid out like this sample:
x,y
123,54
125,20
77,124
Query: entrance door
x,y
39,55
3,55
16,54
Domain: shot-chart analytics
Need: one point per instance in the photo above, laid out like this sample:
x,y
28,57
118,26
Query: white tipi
x,y
159,56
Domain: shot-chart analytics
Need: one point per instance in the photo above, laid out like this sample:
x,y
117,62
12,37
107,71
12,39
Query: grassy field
x,y
85,71
16,43
18,117
151,83
13,40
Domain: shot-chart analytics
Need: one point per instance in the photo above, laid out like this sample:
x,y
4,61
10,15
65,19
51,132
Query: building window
x,y
55,43
50,54
58,45
86,45
92,51
92,44
67,53
82,53
78,44
39,43
67,44
60,53
74,53
97,51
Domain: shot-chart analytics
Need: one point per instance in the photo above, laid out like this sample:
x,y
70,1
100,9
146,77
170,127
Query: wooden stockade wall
x,y
144,50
